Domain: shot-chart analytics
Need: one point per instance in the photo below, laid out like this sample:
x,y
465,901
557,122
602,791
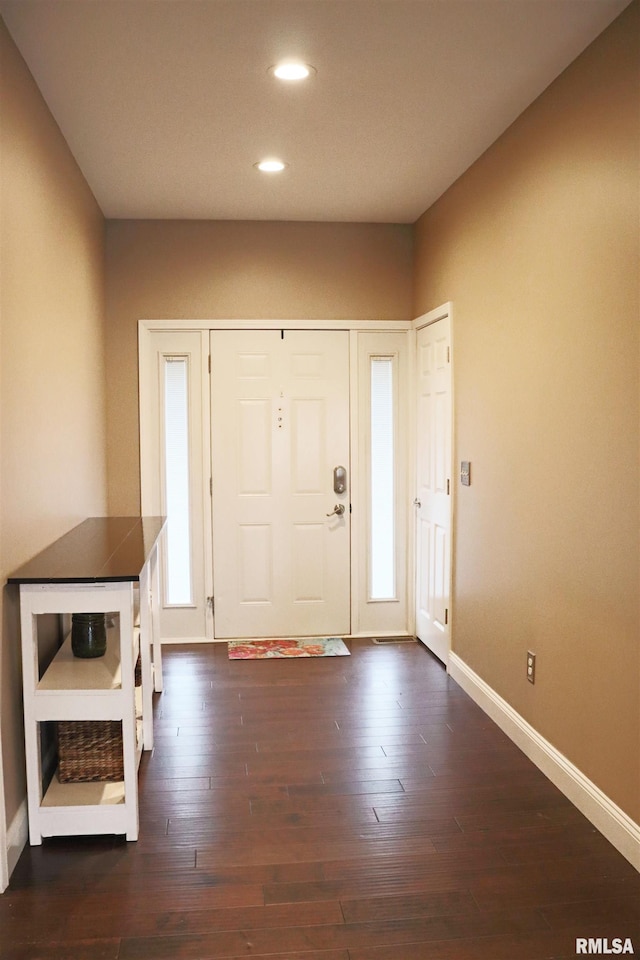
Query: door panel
x,y
308,444
280,424
433,501
255,550
254,468
308,562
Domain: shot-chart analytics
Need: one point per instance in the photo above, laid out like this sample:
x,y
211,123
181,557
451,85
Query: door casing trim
x,y
186,324
148,326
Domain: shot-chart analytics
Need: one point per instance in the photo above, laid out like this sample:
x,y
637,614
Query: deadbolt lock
x,y
339,479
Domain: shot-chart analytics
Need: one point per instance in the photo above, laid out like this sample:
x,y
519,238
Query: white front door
x,y
433,500
280,427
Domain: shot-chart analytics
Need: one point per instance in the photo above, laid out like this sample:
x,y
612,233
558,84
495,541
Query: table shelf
x,y
110,566
67,672
94,793
82,794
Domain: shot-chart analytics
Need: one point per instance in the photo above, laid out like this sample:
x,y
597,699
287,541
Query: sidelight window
x,y
382,559
178,581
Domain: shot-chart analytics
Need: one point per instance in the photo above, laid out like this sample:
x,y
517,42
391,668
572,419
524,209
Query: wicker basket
x,y
90,750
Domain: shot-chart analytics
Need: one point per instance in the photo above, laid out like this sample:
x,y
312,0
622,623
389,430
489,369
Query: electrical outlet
x,y
531,667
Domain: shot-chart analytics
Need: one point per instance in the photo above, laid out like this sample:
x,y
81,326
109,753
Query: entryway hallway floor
x,y
348,808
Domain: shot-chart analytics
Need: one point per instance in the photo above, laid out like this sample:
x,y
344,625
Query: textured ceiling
x,y
167,104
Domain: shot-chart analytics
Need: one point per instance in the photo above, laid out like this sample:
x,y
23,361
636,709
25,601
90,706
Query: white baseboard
x,y
619,829
168,641
17,835
4,864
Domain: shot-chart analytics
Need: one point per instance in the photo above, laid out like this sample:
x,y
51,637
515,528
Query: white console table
x,y
104,565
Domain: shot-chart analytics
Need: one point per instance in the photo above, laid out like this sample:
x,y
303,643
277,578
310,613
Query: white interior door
x,y
280,426
433,500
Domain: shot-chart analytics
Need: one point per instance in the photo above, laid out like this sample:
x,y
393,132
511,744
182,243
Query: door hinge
x,y
211,602
210,486
448,354
448,487
446,616
209,364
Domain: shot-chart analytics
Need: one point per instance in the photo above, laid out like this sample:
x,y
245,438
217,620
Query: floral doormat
x,y
270,649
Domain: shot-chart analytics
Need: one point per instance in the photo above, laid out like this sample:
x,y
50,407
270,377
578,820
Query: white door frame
x,y
438,313
148,326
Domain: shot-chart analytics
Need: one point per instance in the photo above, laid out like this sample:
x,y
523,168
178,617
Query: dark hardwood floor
x,y
348,808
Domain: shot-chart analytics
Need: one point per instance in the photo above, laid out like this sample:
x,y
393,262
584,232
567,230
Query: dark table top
x,y
98,550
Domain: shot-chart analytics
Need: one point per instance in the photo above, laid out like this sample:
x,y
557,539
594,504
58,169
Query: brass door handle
x,y
338,510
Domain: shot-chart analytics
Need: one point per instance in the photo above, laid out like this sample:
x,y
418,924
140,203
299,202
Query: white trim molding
x,y
444,310
17,837
619,829
4,844
394,326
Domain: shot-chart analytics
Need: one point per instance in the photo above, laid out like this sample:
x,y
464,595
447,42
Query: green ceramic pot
x,y
88,635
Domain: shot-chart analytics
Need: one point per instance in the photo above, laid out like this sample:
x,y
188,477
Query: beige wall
x,y
231,270
537,245
52,430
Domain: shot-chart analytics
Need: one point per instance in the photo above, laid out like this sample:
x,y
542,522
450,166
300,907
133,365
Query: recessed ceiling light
x,y
270,165
292,70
